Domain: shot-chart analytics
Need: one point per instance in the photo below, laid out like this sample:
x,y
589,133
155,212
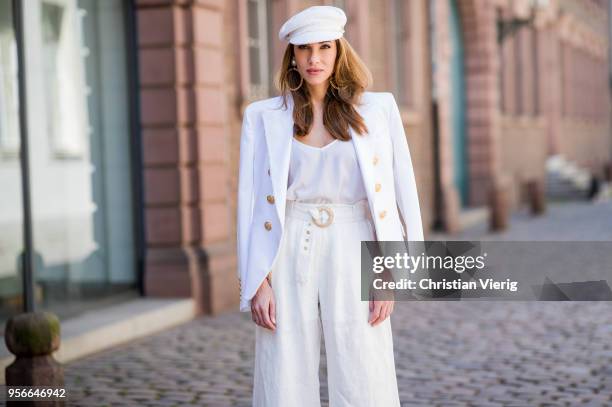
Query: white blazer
x,y
265,150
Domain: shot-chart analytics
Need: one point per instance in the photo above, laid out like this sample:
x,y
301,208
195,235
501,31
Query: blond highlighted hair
x,y
351,76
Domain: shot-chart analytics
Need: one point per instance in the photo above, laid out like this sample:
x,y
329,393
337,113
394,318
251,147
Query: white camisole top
x,y
328,174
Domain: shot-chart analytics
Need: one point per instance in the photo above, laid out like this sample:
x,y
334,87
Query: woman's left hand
x,y
379,311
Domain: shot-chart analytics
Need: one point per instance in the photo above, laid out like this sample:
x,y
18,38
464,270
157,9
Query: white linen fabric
x,y
317,288
328,174
265,152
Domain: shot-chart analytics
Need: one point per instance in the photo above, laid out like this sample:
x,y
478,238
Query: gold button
x,y
382,214
268,225
375,160
270,199
377,187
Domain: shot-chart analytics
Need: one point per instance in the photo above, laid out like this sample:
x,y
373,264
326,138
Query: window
x,y
527,79
517,38
535,71
63,66
565,78
260,76
519,71
79,136
401,58
583,78
9,94
11,204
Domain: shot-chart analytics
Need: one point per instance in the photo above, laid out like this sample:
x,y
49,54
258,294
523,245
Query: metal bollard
x,y
536,196
607,170
499,203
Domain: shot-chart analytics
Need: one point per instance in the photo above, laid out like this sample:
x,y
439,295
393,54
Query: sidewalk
x,y
582,221
447,353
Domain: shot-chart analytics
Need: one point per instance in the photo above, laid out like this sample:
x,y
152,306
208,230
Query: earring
x,y
293,68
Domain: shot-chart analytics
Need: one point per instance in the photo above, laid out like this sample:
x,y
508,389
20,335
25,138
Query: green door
x,y
460,163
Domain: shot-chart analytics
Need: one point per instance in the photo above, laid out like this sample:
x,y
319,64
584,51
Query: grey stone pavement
x,y
447,353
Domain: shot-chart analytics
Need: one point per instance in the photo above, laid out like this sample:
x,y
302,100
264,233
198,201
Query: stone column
x,y
482,87
190,252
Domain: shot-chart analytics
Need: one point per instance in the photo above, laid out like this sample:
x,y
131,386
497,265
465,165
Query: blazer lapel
x,y
278,129
364,147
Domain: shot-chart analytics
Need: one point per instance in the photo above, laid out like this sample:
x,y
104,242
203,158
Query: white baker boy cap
x,y
314,24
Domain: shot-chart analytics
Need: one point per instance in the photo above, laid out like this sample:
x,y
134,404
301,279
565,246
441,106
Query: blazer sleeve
x,y
245,192
403,174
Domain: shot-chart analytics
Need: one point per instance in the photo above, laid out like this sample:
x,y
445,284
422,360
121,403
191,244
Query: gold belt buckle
x,y
330,216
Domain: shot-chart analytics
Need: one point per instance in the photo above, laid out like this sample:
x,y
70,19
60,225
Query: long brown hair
x,y
350,75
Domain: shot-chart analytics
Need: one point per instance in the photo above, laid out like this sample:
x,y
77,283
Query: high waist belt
x,y
325,214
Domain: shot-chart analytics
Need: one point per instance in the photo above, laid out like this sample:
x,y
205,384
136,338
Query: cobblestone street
x,y
447,353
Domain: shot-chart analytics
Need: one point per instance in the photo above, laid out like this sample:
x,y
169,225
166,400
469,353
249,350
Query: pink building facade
x,y
482,111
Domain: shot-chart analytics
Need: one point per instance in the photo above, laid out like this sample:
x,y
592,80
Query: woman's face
x,y
315,61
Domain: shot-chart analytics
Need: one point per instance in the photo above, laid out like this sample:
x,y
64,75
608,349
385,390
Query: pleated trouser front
x,y
316,282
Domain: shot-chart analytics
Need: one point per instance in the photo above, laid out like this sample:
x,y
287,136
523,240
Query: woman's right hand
x,y
263,307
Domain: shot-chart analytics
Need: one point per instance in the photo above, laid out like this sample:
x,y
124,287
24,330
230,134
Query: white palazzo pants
x,y
317,284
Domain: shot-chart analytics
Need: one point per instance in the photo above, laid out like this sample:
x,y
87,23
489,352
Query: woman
x,y
323,167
